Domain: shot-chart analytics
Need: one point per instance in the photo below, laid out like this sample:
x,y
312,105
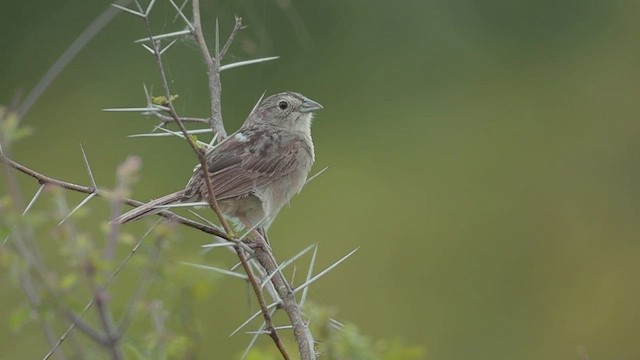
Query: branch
x,y
301,332
263,305
46,180
168,119
218,127
236,28
211,199
213,73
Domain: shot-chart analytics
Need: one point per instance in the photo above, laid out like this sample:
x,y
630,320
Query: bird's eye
x,y
283,105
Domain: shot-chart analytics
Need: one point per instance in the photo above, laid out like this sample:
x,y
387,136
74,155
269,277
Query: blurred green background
x,y
484,156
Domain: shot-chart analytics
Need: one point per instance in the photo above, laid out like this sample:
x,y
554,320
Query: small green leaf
x,y
162,100
19,318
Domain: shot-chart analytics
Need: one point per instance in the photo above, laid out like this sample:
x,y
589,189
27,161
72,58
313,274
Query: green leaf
x,y
162,100
19,318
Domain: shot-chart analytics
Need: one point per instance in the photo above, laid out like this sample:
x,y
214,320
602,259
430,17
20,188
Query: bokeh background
x,y
484,156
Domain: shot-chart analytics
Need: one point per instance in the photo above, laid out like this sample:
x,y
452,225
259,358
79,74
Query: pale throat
x,y
303,126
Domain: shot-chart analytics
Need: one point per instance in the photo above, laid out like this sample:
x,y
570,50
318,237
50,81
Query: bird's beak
x,y
309,105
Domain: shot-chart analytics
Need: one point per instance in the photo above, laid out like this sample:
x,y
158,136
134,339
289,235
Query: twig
x,y
168,119
263,305
236,28
203,161
46,180
30,255
213,74
77,322
300,329
144,282
204,166
301,332
112,337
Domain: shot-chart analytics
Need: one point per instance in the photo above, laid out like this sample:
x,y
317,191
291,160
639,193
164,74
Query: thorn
x,y
265,332
149,8
217,45
181,14
139,6
236,266
181,205
219,244
203,219
286,263
86,163
150,108
251,343
86,200
171,133
153,52
257,225
213,140
258,103
175,133
312,263
315,175
323,272
33,200
247,62
269,307
168,46
213,268
128,10
146,95
162,36
336,324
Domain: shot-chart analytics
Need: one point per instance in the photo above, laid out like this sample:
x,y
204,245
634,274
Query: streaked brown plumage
x,y
257,169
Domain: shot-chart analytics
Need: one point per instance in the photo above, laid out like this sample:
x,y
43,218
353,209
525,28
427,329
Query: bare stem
x,y
112,343
204,168
211,199
43,179
236,28
164,119
263,305
143,285
213,74
301,332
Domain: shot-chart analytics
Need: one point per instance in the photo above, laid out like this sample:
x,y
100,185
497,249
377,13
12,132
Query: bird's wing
x,y
248,161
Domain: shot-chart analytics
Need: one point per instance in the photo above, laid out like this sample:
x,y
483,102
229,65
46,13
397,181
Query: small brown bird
x,y
256,170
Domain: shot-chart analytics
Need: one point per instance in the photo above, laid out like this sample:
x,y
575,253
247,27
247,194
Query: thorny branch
x,y
213,71
211,199
302,334
214,81
46,180
214,206
285,293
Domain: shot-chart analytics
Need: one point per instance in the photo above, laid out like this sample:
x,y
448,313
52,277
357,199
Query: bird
x,y
255,171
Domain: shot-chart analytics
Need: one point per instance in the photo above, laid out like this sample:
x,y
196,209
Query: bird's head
x,y
289,110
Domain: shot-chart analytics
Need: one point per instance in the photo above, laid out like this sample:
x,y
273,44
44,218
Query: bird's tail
x,y
150,208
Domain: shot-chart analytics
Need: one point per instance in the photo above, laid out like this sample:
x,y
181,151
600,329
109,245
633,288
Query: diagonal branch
x,y
236,28
47,180
301,331
211,199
